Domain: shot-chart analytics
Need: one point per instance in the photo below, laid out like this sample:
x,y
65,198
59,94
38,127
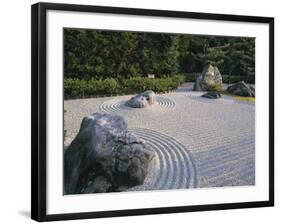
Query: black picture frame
x,y
39,108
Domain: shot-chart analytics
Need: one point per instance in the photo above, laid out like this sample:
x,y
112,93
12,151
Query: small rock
x,y
241,89
142,100
211,95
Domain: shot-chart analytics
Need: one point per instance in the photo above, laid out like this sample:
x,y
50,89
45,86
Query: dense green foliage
x,y
81,88
103,54
103,63
234,56
96,54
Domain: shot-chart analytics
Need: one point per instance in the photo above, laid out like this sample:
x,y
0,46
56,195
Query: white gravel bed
x,y
219,136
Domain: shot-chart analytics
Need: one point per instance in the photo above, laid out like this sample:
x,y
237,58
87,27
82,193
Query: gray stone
x,y
99,185
241,89
209,80
211,95
142,100
105,156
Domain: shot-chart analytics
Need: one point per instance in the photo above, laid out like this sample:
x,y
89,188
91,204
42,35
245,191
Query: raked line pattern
x,y
172,166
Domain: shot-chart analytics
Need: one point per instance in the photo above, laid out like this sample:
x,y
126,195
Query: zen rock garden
x,y
148,111
105,157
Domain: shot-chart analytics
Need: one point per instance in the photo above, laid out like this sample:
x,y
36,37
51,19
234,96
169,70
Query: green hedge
x,y
81,88
84,88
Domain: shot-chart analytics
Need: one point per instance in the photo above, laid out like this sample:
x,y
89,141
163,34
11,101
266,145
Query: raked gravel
x,y
199,142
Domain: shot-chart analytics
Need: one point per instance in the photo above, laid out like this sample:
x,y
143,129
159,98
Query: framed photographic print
x,y
139,111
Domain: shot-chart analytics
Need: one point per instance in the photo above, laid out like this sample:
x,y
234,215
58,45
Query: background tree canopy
x,y
122,55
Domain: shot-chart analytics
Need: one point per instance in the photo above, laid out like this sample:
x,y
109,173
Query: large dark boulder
x,y
142,100
241,89
209,80
105,156
211,95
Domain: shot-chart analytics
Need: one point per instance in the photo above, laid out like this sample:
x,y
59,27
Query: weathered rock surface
x,y
241,89
142,100
211,95
209,80
105,156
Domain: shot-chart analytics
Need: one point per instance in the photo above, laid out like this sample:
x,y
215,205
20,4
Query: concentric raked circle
x,y
117,105
172,166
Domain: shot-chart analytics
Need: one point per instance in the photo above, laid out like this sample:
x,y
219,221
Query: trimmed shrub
x,y
81,88
214,88
110,86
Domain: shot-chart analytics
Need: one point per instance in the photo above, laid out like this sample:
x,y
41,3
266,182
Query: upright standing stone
x,y
209,80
